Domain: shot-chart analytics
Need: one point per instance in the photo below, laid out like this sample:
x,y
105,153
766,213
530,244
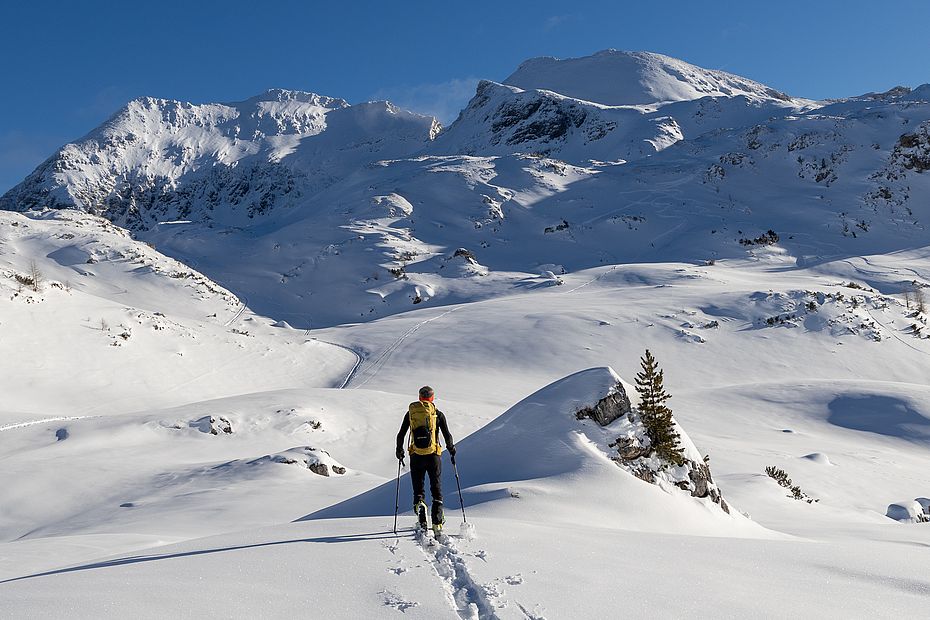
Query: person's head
x,y
426,393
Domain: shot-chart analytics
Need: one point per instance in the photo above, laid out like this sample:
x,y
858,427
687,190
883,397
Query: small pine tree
x,y
657,417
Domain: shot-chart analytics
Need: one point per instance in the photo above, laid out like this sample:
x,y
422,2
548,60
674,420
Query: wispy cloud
x,y
444,100
555,21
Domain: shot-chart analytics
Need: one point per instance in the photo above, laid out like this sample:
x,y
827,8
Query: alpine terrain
x,y
676,321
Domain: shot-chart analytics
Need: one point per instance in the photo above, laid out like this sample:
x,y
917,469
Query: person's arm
x,y
441,419
404,427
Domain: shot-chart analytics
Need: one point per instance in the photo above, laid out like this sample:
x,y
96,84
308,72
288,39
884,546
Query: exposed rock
x,y
212,425
468,255
913,150
609,408
630,449
316,460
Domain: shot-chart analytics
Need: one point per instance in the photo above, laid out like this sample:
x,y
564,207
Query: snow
x,y
174,394
614,77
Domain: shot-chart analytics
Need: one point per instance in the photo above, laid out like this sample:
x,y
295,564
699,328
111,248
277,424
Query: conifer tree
x,y
656,416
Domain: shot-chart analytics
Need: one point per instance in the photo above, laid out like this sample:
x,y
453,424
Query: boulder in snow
x,y
315,459
213,425
612,406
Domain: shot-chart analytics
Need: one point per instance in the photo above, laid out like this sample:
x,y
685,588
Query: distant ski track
x,y
10,427
893,331
358,362
372,368
465,595
243,303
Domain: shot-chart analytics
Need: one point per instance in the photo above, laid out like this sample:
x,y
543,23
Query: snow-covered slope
x,y
113,326
159,160
614,77
503,119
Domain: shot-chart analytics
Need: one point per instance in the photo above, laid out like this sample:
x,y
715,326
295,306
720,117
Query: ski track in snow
x,y
10,427
358,361
894,333
243,303
371,369
467,597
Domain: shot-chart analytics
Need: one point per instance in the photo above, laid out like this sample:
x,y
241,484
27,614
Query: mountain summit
x,y
612,77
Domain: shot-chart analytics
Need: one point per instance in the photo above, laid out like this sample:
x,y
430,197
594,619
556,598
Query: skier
x,y
424,421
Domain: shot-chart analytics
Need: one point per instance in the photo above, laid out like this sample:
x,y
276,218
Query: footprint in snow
x,y
392,599
514,580
398,570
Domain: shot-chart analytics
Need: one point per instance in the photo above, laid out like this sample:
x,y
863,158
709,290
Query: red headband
x,y
429,400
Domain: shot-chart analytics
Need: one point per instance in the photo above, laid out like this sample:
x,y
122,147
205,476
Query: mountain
x,y
291,199
612,77
158,160
502,119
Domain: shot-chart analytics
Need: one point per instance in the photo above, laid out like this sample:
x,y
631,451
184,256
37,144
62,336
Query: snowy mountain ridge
x,y
613,77
376,205
158,159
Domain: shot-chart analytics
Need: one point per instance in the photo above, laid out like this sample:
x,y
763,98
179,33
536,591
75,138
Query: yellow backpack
x,y
423,423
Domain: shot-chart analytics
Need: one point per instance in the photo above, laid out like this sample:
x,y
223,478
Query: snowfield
x,y
212,330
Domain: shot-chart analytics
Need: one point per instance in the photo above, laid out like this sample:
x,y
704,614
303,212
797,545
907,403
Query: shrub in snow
x,y
212,425
315,459
769,237
781,477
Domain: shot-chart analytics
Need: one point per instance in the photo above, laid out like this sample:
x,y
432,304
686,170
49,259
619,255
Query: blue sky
x,y
69,65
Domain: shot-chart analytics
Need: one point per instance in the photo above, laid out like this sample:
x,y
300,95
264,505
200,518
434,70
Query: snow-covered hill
x,y
215,316
613,77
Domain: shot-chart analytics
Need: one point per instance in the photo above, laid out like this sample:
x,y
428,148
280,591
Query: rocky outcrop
x,y
214,425
912,151
316,460
611,407
634,453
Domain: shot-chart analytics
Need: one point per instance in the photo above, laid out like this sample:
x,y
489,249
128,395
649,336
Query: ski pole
x,y
397,494
459,487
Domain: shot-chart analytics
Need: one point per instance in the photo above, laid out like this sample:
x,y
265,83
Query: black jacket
x,y
440,422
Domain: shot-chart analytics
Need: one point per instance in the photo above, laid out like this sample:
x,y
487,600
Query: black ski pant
x,y
420,465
